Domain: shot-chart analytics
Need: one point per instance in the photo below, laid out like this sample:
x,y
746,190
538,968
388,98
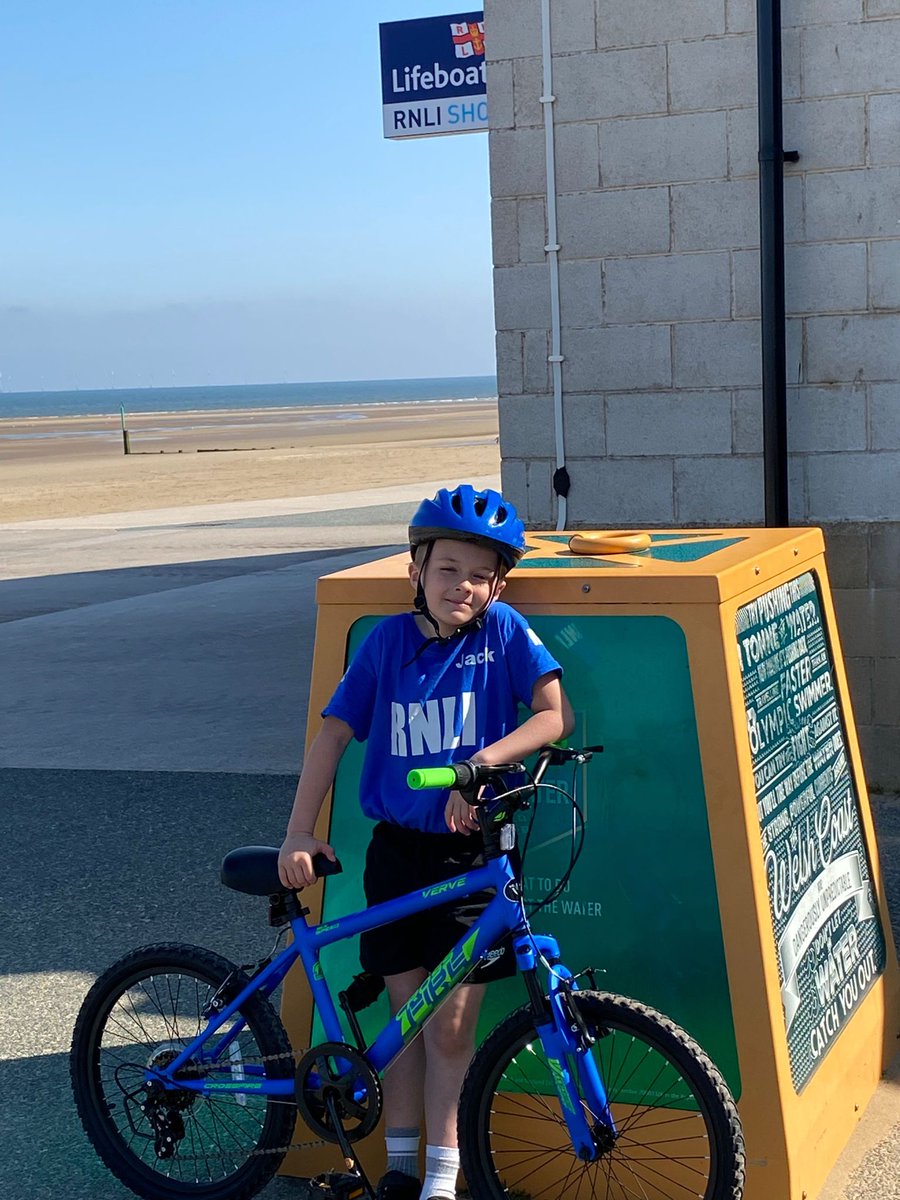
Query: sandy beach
x,y
75,466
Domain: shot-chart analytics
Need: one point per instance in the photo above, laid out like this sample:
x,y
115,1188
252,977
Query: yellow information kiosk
x,y
730,876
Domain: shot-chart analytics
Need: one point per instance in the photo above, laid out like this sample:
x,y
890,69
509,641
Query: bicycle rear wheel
x,y
141,1013
679,1134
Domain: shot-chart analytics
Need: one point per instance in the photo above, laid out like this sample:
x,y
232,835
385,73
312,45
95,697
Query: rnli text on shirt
x,y
430,728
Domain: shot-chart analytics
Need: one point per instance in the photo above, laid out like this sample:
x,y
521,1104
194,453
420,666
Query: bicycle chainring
x,y
338,1072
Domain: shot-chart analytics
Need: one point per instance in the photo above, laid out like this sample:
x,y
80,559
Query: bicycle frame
x,y
569,1063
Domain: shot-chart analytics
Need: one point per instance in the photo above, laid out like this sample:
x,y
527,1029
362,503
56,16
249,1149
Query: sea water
x,y
21,405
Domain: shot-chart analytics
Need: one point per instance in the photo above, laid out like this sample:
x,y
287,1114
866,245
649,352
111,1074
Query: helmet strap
x,y
420,603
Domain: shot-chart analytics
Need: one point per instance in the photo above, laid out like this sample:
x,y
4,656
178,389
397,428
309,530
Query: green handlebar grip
x,y
432,777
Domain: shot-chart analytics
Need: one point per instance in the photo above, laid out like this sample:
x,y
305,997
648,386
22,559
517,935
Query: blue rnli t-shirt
x,y
440,708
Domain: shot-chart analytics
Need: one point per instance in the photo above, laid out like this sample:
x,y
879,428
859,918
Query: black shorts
x,y
402,860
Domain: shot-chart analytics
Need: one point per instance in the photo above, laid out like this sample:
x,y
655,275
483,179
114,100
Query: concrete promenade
x,y
156,671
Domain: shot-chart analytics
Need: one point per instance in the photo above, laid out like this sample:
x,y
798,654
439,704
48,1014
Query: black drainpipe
x,y
772,156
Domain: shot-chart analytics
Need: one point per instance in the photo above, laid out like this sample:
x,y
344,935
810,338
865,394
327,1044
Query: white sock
x,y
403,1150
441,1169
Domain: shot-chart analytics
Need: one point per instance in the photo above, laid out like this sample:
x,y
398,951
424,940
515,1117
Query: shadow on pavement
x,y
96,863
197,666
42,594
46,1153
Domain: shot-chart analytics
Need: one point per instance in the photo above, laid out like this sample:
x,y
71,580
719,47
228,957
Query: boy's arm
x,y
295,867
551,719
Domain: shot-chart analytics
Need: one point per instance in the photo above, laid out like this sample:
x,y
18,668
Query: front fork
x,y
567,1045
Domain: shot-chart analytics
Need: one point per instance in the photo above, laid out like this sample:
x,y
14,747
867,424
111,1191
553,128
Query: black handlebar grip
x,y
466,773
323,865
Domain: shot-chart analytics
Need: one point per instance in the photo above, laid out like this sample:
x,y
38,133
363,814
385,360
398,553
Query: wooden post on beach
x,y
125,439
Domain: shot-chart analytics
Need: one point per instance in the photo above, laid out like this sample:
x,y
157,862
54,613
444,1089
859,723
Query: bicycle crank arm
x,y
364,1188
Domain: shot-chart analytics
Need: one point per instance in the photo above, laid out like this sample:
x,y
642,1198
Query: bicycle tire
x,y
131,1018
507,1108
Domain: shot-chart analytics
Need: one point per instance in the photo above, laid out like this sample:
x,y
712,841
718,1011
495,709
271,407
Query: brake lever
x,y
559,755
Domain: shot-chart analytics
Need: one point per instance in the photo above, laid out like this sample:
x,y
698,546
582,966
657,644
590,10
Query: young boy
x,y
426,689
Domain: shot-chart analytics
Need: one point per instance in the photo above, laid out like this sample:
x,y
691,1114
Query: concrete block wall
x,y
657,192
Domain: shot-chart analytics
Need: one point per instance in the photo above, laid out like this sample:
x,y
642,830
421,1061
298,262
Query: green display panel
x,y
641,906
828,936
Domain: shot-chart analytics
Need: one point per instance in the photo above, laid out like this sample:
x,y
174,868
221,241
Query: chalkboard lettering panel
x,y
828,936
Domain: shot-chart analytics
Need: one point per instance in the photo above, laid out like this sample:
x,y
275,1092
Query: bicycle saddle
x,y
254,870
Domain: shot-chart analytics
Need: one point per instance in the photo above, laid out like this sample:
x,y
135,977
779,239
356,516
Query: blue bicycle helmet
x,y
469,516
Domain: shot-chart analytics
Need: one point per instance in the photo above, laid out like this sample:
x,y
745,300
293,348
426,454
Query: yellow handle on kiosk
x,y
608,543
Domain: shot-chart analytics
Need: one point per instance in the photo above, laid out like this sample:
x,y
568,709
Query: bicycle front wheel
x,y
678,1134
140,1015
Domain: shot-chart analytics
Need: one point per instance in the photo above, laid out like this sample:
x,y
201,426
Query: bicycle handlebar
x,y
463,774
469,777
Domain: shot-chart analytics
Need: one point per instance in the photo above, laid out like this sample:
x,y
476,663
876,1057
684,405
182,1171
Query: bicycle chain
x,y
255,1060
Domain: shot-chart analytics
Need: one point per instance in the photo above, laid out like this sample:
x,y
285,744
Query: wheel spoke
x,y
674,1127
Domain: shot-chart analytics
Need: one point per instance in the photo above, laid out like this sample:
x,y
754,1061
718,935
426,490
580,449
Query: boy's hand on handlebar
x,y
295,868
460,815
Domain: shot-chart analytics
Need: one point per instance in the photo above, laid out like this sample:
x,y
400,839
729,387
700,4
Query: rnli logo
x,y
468,38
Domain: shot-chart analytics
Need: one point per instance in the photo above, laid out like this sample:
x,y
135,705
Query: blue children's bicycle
x,y
187,1085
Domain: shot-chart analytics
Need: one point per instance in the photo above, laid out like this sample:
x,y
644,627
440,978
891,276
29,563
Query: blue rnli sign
x,y
432,76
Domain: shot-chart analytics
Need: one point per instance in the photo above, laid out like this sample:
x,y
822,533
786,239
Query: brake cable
x,y
576,843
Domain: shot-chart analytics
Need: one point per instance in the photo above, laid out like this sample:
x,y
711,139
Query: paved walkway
x,y
153,716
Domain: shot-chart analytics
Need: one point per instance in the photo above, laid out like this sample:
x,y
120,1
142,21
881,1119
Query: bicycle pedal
x,y
338,1185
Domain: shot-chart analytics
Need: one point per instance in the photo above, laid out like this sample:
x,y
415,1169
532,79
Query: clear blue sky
x,y
198,191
